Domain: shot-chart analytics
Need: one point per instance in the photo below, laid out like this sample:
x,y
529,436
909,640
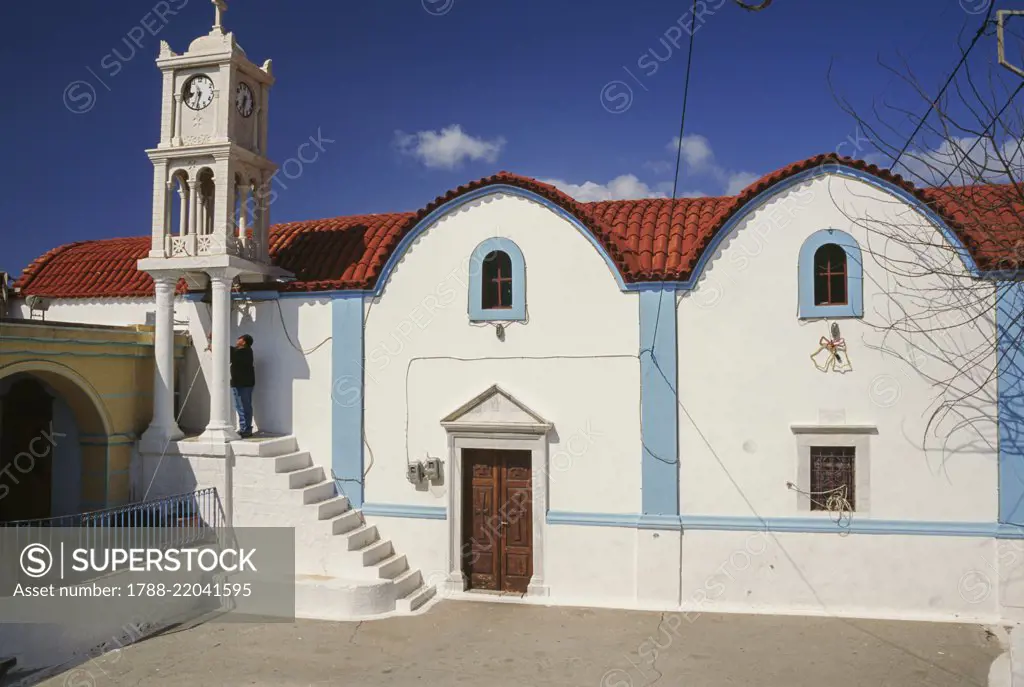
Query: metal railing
x,y
170,522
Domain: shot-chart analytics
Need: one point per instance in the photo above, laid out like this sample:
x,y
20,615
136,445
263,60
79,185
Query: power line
x,y
963,58
979,139
755,8
686,92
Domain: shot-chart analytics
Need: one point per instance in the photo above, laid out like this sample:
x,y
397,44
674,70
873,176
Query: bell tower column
x,y
220,429
164,427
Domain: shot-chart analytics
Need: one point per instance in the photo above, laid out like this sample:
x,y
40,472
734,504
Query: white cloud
x,y
448,148
737,181
625,186
698,161
960,162
696,151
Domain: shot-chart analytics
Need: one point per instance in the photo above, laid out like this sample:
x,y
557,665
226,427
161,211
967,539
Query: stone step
x,y
292,461
391,567
305,477
375,551
346,522
318,493
332,508
361,537
323,597
407,582
269,447
415,600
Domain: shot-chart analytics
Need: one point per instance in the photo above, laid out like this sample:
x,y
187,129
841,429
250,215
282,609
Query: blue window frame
x,y
497,282
831,276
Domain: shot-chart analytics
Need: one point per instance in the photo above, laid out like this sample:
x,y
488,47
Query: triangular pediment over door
x,y
496,410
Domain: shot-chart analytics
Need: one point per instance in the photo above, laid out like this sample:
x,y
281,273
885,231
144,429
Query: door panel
x,y
517,522
497,519
481,564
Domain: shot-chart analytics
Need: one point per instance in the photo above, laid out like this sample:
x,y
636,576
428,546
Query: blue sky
x,y
414,97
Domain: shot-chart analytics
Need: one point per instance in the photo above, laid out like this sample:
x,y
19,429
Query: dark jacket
x,y
243,373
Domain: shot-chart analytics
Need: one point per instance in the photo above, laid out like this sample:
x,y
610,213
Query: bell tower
x,y
210,202
210,163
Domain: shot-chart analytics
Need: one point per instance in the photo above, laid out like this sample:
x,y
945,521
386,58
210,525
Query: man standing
x,y
243,379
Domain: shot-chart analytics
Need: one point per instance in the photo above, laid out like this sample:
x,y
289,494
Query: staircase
x,y
344,569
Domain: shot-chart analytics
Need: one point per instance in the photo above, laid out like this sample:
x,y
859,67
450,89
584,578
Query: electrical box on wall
x,y
414,472
433,469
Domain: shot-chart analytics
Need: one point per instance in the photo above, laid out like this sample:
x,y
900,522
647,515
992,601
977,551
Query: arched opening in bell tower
x,y
206,200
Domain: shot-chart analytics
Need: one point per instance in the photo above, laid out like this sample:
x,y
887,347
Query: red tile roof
x,y
648,240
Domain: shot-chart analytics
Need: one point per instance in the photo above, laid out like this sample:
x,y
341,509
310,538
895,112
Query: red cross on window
x,y
498,281
830,275
496,284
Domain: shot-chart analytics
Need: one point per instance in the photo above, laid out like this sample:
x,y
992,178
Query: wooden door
x,y
497,496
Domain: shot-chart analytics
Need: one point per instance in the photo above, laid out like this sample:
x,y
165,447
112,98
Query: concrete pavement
x,y
497,644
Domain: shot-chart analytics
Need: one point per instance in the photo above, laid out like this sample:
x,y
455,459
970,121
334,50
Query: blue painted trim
x,y
824,524
809,175
659,413
708,254
854,276
517,313
1010,388
555,517
1009,531
197,296
347,396
805,525
398,510
658,522
328,294
256,295
472,196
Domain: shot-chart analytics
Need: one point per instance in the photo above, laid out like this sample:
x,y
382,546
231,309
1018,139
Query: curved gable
x,y
504,183
655,240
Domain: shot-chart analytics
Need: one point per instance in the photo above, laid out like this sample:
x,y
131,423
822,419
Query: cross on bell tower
x,y
211,213
221,7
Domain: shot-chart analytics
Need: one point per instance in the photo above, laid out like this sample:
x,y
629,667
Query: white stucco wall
x,y
745,373
104,311
574,362
887,576
293,390
744,377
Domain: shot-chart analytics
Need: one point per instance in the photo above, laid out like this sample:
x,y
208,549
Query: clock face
x,y
198,92
243,99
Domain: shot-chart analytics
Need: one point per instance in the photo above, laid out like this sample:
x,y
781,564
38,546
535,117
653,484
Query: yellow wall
x,y
105,374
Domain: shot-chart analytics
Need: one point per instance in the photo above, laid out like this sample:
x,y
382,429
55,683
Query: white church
x,y
803,399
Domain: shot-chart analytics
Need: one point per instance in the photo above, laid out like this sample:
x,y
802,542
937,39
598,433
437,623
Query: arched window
x,y
497,282
830,279
830,275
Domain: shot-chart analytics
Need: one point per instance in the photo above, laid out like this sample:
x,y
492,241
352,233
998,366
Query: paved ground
x,y
477,643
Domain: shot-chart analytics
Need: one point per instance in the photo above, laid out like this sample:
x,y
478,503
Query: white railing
x,y
210,244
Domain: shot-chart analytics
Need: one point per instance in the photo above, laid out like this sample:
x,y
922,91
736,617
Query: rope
x,y
839,508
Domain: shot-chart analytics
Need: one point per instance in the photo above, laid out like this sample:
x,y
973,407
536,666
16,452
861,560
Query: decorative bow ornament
x,y
831,355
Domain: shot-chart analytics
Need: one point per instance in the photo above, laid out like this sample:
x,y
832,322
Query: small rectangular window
x,y
832,476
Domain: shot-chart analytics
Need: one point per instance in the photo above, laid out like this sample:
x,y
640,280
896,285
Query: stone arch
x,y
91,417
